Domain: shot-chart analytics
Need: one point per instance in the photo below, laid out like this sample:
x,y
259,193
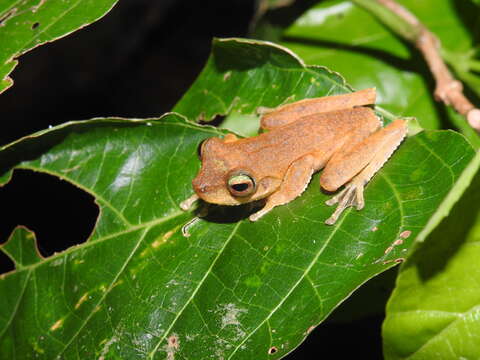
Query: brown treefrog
x,y
337,133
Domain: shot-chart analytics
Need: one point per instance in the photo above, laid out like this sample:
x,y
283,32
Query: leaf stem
x,y
406,25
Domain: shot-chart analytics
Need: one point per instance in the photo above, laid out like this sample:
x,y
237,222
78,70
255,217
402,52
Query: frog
x,y
340,134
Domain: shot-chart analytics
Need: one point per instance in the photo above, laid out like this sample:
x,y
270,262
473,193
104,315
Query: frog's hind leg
x,y
294,183
359,164
285,114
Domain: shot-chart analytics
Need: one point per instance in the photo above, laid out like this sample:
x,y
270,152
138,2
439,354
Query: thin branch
x,y
448,89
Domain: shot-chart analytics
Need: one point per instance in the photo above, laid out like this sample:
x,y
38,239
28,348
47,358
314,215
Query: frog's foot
x,y
262,110
187,204
351,195
294,183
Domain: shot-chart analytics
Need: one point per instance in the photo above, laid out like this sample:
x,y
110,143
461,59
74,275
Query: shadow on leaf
x,y
432,256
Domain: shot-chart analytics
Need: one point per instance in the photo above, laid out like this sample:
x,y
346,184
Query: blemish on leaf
x,y
398,242
265,266
172,282
106,347
405,234
35,25
119,282
191,337
7,16
58,324
374,228
157,243
417,174
227,75
81,300
272,350
167,235
399,260
310,329
40,3
253,281
412,194
387,250
231,314
173,344
57,262
37,348
359,256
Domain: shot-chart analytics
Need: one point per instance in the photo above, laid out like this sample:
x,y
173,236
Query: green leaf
x,y
27,24
434,308
242,75
21,248
139,288
234,289
345,37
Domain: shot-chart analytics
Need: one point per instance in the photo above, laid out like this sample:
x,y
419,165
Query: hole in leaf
x,y
35,25
60,214
6,264
216,121
272,350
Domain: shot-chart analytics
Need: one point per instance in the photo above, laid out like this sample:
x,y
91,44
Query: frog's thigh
x,y
286,114
294,183
375,150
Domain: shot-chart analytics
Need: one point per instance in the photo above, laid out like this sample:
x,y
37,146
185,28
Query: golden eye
x,y
241,185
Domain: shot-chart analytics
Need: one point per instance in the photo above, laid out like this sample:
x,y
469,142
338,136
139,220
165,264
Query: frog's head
x,y
225,179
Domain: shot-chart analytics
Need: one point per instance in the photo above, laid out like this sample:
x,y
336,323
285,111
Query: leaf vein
x,y
194,292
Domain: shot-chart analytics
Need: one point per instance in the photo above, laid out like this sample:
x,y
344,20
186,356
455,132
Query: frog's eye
x,y
241,185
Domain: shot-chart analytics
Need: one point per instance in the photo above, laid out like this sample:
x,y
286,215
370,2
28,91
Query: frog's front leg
x,y
294,183
359,163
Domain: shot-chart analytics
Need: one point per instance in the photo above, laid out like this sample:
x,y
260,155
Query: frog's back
x,y
311,133
273,152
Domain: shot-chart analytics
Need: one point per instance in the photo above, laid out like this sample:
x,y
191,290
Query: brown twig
x,y
448,89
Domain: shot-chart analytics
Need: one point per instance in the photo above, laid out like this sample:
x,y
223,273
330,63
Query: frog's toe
x,y
351,195
257,215
334,199
187,204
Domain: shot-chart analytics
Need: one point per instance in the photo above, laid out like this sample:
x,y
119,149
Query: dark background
x,y
137,61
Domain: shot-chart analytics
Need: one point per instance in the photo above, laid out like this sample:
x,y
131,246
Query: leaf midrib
x,y
89,242
287,295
